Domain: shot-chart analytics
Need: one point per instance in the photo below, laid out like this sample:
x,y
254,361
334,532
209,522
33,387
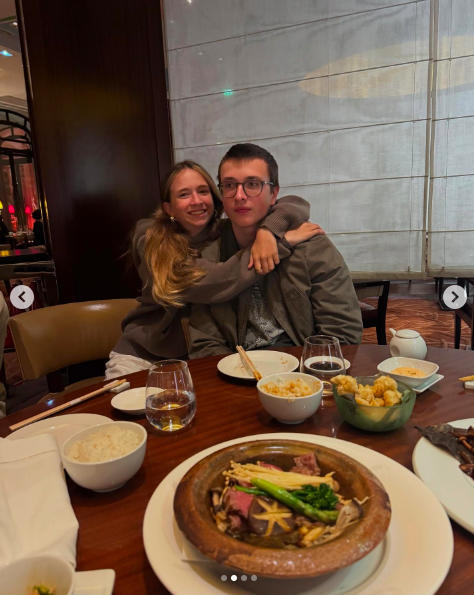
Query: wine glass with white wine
x,y
170,396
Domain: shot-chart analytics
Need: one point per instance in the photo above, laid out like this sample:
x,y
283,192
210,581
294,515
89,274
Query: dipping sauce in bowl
x,y
412,372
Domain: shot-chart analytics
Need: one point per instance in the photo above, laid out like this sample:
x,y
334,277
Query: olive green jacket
x,y
309,293
153,332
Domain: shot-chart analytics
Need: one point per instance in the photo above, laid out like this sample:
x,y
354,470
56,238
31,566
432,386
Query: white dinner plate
x,y
94,582
414,557
437,467
266,362
131,401
60,426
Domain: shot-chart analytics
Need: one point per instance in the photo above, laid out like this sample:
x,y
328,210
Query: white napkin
x,y
36,516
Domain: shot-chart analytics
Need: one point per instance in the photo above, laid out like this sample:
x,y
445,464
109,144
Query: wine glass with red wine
x,y
322,358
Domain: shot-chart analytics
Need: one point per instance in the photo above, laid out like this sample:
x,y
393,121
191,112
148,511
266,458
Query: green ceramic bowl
x,y
375,419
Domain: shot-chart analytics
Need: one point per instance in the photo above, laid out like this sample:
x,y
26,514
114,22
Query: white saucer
x,y
94,582
131,401
433,380
60,426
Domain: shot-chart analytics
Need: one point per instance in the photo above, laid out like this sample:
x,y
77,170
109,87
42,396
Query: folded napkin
x,y
36,516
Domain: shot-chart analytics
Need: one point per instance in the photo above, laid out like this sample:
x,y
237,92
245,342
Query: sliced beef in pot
x,y
306,465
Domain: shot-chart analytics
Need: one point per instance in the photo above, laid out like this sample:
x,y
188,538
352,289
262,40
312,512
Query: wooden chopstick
x,y
245,358
466,378
49,412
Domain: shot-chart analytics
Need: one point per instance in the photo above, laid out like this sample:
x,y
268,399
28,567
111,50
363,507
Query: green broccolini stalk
x,y
285,497
253,491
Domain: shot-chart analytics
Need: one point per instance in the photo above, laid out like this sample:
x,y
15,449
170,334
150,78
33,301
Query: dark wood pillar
x,y
98,103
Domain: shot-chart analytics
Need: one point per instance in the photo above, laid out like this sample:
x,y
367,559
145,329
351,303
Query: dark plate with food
x,y
282,508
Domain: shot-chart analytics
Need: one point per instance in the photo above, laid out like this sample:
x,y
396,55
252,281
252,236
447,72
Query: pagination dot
x,y
224,577
253,577
244,577
233,577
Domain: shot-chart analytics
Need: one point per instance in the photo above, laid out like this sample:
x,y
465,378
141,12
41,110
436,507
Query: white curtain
x,y
451,207
337,90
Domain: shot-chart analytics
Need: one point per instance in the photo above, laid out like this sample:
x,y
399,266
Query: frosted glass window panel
x,y
211,119
372,39
455,88
208,68
444,30
289,108
381,205
460,157
209,157
339,8
391,151
440,148
451,251
381,252
422,41
202,21
462,28
318,198
461,87
261,15
302,159
378,96
287,54
443,73
453,204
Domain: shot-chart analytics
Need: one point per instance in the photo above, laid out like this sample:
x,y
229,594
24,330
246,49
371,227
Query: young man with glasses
x,y
309,293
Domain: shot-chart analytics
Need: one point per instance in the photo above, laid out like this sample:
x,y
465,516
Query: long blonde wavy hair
x,y
168,254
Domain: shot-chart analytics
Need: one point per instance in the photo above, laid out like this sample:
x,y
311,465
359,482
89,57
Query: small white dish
x,y
392,363
105,476
439,470
434,379
290,410
325,358
95,582
266,362
131,401
22,575
60,426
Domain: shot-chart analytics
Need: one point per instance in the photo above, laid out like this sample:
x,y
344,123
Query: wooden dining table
x,y
110,524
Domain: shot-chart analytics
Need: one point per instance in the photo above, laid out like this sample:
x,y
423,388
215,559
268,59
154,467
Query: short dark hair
x,y
249,151
36,215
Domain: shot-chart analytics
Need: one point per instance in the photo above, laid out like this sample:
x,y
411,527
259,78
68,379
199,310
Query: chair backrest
x,y
52,338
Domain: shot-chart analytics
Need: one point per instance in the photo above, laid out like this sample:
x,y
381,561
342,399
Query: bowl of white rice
x,y
103,457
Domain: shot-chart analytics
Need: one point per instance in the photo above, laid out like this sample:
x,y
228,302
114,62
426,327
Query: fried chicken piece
x,y
345,384
366,393
391,397
382,384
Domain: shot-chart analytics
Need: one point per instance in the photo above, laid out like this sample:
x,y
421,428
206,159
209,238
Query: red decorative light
x,y
27,210
11,209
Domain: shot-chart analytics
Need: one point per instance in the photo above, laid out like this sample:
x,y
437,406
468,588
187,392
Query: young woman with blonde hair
x,y
166,251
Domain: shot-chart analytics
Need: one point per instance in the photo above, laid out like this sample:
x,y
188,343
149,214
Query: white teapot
x,y
407,343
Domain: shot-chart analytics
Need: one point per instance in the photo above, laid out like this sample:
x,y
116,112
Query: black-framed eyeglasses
x,y
252,188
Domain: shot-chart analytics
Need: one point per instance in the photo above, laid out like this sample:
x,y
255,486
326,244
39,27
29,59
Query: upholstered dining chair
x,y
374,316
49,339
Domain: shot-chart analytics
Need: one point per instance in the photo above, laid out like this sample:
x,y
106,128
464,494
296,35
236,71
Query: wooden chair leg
x,y
457,331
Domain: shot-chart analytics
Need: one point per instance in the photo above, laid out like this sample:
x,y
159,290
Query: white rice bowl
x,y
102,458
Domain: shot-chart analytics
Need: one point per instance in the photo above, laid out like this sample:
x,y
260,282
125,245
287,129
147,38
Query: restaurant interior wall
x,y
97,100
337,90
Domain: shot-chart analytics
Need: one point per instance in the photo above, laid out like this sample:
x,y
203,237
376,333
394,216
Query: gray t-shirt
x,y
263,329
